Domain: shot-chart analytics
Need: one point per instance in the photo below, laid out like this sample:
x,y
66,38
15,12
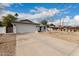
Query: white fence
x,y
2,29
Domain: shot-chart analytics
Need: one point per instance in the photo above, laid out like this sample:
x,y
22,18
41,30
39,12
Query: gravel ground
x,y
68,36
7,44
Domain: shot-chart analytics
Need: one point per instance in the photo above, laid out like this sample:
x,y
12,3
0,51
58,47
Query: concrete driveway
x,y
37,44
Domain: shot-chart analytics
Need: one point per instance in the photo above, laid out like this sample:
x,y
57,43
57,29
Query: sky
x,y
66,13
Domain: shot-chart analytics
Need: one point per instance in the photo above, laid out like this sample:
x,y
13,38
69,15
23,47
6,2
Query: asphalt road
x,y
37,44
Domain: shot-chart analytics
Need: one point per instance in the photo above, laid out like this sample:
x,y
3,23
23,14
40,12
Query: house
x,y
22,26
41,28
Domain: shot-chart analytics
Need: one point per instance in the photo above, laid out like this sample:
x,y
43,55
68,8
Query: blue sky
x,y
48,11
71,9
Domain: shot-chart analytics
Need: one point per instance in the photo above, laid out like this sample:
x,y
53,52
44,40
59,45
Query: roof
x,y
26,21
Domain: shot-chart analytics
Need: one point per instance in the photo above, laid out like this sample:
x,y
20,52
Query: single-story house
x,y
41,28
22,26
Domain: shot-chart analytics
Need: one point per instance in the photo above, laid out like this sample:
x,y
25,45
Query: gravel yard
x,y
7,44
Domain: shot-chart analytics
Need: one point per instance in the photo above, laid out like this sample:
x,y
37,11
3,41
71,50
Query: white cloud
x,y
24,15
5,12
33,11
42,12
63,21
2,8
39,9
5,4
42,9
21,15
39,12
76,18
67,21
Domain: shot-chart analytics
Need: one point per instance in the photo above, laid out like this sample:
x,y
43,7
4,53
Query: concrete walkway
x,y
37,44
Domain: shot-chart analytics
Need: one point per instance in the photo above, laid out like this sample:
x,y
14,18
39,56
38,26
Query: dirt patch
x,y
7,44
68,36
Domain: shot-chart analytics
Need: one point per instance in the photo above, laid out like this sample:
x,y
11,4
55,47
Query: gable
x,y
26,21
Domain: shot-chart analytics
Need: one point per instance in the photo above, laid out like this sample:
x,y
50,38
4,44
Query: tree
x,y
7,20
44,22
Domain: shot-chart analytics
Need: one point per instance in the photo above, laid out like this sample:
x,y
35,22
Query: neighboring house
x,y
42,28
22,26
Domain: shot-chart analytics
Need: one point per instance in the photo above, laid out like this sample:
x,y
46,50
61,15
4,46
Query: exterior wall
x,y
24,28
2,29
14,28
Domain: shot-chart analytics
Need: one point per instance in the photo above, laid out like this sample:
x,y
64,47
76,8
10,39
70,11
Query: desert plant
x,y
7,20
44,22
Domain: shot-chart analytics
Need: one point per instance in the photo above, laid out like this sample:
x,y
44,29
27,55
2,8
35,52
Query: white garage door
x,y
23,28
